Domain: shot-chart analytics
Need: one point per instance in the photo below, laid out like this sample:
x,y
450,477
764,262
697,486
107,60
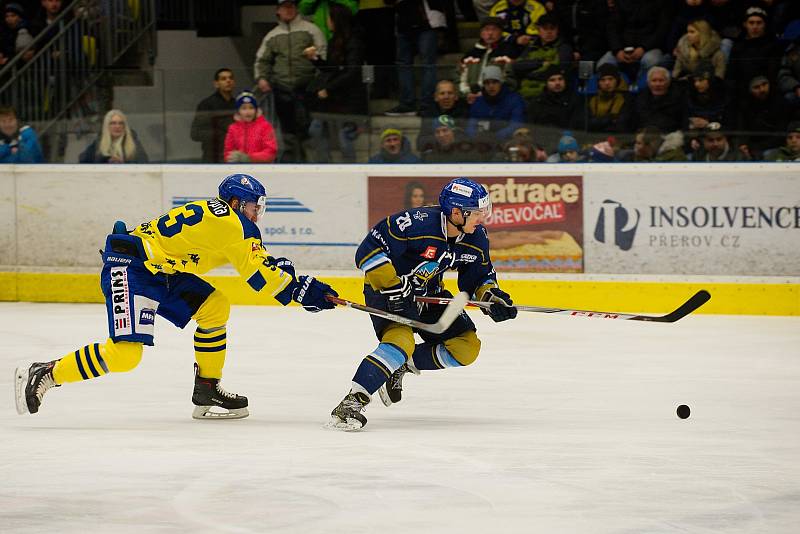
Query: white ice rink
x,y
562,425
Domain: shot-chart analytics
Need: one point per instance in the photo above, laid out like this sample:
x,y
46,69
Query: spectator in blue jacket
x,y
395,148
17,144
498,112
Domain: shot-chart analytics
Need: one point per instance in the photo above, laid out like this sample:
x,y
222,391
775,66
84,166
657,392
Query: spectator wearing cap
x,y
492,49
791,150
707,99
450,144
714,146
755,53
16,35
611,109
762,118
568,150
545,49
498,112
662,104
637,32
522,148
557,106
789,74
18,144
602,152
395,148
700,44
213,116
250,137
417,22
446,101
583,25
519,17
284,66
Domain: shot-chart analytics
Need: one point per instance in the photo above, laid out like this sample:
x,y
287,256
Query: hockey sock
x,y
377,367
429,357
209,351
95,360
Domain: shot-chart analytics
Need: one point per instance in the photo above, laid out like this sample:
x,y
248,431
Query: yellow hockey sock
x,y
209,351
95,360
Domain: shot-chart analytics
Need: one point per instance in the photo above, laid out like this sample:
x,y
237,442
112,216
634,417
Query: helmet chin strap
x,y
459,227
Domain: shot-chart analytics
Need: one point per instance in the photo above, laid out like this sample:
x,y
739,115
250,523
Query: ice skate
x,y
347,416
209,394
392,391
30,385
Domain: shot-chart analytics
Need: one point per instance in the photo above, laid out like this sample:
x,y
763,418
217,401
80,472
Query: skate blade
x,y
384,395
349,425
205,413
20,381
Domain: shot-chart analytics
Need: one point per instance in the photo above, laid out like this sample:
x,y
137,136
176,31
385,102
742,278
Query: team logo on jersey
x,y
218,207
420,216
429,254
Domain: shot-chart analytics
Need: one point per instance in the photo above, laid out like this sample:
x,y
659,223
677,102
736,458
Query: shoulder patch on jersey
x,y
218,207
249,228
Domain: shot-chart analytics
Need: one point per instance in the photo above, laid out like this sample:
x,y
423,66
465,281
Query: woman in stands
x,y
117,143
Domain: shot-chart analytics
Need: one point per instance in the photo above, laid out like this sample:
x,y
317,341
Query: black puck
x,y
683,411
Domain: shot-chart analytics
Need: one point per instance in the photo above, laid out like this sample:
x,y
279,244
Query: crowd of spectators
x,y
557,81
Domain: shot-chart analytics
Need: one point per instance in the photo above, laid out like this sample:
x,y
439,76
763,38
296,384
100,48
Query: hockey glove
x,y
502,308
284,264
400,299
310,293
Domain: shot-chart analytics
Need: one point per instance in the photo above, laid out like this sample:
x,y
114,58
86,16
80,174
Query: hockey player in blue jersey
x,y
154,270
406,255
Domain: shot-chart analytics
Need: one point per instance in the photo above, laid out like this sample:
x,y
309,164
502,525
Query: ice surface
x,y
562,425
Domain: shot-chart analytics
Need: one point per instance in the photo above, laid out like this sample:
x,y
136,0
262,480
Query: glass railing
x,y
524,122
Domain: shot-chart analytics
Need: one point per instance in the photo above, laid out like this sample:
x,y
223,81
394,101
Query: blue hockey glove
x,y
502,307
284,264
400,299
310,293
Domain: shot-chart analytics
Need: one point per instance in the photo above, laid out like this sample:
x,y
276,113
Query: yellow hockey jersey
x,y
201,235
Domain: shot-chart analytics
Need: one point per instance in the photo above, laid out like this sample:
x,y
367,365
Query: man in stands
x,y
446,101
213,116
284,67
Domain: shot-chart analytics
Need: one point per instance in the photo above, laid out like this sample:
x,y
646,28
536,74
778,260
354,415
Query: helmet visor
x,y
484,208
259,206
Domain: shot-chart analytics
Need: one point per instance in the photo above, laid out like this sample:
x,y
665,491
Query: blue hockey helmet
x,y
246,189
466,195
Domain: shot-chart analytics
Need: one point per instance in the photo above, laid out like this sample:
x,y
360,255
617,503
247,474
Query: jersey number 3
x,y
189,216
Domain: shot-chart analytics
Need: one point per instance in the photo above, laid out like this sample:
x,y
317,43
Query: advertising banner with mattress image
x,y
536,223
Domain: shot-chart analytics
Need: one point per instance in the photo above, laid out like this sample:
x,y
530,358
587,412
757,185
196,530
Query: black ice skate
x,y
30,385
347,416
208,394
392,391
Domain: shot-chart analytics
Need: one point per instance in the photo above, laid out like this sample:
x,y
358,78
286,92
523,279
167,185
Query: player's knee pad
x,y
401,336
465,347
121,356
214,312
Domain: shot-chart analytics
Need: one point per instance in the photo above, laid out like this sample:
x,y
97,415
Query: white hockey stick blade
x,y
20,380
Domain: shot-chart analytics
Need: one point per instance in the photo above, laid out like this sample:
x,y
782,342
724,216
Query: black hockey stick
x,y
454,308
697,300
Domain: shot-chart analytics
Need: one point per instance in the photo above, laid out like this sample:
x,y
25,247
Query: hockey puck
x,y
683,411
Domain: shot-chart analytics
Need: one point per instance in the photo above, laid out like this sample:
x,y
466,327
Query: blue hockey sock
x,y
429,357
377,367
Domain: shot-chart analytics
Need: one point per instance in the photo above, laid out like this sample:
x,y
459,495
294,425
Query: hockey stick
x,y
454,308
697,300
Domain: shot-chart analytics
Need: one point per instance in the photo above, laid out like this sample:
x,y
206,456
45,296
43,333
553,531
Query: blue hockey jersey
x,y
415,242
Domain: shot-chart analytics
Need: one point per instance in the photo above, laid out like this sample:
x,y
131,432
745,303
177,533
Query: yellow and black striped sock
x,y
209,351
83,364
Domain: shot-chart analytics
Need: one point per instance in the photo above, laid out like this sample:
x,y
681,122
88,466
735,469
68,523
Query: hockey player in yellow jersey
x,y
153,270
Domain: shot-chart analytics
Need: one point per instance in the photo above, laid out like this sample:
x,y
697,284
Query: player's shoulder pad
x,y
249,227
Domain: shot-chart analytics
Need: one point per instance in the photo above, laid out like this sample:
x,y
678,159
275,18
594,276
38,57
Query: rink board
x,y
622,296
